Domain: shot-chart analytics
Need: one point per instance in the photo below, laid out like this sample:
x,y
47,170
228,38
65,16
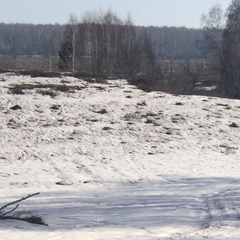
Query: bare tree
x,y
223,43
192,70
87,22
231,50
213,25
48,35
73,22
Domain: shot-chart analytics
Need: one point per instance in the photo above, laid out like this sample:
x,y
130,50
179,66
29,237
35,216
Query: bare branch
x,y
17,201
22,216
6,213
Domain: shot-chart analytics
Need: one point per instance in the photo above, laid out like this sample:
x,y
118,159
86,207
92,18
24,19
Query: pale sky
x,y
143,12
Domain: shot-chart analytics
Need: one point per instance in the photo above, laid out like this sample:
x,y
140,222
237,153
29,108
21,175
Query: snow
x,y
114,162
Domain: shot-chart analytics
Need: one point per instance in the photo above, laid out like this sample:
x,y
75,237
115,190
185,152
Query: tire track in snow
x,y
223,211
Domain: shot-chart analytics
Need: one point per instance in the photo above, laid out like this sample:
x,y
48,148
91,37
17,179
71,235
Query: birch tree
x,y
73,22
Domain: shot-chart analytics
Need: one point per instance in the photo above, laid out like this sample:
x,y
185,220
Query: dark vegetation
x,y
177,60
44,89
37,73
8,211
53,89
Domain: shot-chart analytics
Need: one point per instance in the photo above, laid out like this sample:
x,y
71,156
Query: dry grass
x,y
44,89
37,73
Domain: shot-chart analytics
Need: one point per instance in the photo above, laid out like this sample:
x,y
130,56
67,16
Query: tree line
x,y
175,59
29,39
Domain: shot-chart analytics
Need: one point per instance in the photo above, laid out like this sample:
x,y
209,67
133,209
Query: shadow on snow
x,y
191,202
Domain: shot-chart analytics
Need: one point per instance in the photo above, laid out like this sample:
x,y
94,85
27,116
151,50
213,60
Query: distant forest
x,y
30,40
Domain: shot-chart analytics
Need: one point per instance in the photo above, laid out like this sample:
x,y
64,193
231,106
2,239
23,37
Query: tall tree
x,y
73,23
145,54
231,49
65,55
213,25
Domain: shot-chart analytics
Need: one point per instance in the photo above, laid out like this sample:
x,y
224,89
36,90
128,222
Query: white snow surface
x,y
113,162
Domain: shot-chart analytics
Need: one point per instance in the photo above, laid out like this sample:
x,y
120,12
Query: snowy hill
x,y
114,162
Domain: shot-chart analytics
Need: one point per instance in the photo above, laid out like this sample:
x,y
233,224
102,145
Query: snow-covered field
x,y
115,163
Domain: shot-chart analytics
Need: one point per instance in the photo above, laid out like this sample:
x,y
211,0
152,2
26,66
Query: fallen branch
x,y
28,216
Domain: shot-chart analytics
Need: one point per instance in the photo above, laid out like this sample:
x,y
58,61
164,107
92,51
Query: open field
x,y
114,162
